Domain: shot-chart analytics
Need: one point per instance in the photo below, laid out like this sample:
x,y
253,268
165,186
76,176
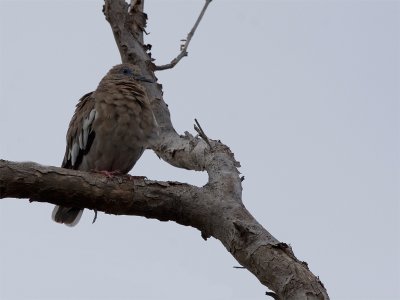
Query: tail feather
x,y
69,216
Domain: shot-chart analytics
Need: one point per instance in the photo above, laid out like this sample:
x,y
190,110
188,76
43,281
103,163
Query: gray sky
x,y
306,94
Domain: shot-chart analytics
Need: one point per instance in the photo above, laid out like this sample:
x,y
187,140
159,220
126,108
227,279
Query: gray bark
x,y
216,209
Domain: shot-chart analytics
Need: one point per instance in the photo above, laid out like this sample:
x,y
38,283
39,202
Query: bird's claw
x,y
95,216
108,174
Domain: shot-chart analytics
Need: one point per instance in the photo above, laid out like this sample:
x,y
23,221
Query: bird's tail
x,y
69,216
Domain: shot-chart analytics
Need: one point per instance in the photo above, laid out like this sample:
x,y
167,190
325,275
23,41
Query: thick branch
x,y
272,262
119,195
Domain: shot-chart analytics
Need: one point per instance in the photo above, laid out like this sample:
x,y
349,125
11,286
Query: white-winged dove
x,y
109,131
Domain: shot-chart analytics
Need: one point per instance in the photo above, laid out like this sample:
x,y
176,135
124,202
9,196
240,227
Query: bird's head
x,y
127,72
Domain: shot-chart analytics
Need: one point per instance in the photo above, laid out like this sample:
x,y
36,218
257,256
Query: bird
x,y
110,129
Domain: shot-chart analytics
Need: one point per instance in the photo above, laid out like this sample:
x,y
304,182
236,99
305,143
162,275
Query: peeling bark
x,y
215,209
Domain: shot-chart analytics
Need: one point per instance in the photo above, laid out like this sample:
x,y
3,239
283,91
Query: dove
x,y
110,129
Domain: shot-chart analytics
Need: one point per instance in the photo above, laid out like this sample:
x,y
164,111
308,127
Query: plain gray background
x,y
306,94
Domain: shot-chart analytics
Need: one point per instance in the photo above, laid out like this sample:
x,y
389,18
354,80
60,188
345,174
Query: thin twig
x,y
184,47
201,133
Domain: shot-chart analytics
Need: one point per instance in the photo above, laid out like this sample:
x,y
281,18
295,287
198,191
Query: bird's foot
x,y
108,174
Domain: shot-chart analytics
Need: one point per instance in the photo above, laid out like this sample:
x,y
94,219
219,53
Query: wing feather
x,y
80,133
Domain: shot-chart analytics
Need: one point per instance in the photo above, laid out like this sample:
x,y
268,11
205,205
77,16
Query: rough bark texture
x,y
216,209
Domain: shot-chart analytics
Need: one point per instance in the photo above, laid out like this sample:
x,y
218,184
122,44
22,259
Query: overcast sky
x,y
306,94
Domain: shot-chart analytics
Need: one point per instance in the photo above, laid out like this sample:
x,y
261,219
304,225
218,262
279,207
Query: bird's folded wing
x,y
80,133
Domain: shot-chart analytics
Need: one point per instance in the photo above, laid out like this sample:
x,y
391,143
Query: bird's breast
x,y
123,128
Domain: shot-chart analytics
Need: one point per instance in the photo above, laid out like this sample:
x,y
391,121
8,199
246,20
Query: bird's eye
x,y
126,71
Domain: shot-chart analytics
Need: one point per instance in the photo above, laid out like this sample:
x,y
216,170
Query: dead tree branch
x,y
216,209
186,41
226,219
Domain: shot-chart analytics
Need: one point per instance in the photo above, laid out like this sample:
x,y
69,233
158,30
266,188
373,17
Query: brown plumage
x,y
110,129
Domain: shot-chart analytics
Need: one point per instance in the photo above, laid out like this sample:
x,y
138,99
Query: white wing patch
x,y
80,141
74,153
87,128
